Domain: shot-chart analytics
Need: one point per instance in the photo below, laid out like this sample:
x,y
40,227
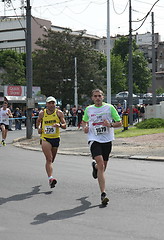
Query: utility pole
x,y
108,56
130,72
153,63
30,101
75,87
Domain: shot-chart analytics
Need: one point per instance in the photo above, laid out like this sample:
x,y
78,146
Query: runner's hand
x,y
106,123
40,130
86,129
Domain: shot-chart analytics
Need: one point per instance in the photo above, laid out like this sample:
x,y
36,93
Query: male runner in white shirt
x,y
99,121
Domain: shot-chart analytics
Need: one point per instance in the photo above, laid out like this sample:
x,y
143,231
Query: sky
x,y
91,15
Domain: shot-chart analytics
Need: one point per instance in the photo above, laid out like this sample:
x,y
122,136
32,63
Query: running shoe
x,y
3,143
94,172
104,199
52,182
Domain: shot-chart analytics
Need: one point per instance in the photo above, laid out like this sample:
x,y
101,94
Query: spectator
x,y
74,116
119,109
70,117
142,112
35,116
79,114
10,120
18,115
135,114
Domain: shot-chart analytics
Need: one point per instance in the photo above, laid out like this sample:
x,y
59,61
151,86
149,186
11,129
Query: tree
x,y
141,72
14,69
54,68
118,78
121,47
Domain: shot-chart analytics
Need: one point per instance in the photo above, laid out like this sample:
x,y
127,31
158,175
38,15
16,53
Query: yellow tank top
x,y
48,120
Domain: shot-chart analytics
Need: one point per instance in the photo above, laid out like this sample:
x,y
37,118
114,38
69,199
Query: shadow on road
x,y
64,214
22,196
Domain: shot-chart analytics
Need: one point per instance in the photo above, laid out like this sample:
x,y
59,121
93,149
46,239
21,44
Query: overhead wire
x,y
144,19
18,18
122,11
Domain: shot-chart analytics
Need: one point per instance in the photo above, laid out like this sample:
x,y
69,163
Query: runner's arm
x,y
62,123
85,126
117,120
39,122
85,122
9,114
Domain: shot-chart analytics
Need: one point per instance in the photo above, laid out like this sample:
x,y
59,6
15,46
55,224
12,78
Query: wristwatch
x,y
111,125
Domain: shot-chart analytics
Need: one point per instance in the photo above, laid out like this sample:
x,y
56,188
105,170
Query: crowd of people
x,y
138,112
73,116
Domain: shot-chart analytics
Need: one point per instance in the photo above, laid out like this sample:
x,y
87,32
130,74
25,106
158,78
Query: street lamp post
x,y
108,56
75,86
130,72
153,63
30,102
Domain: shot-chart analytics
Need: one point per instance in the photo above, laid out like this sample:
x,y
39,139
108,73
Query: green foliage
x,y
54,66
118,79
134,131
160,90
151,123
141,72
121,47
14,69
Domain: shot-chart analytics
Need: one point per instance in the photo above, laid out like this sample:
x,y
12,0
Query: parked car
x,y
124,95
147,95
161,95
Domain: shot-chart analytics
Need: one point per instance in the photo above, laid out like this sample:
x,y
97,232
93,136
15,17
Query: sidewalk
x,y
74,142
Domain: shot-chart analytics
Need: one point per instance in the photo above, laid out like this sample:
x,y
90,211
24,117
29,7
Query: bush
x,y
151,123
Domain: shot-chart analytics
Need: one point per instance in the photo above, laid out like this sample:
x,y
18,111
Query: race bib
x,y
49,130
99,129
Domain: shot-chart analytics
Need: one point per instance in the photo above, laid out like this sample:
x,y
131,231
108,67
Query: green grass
x,y
133,132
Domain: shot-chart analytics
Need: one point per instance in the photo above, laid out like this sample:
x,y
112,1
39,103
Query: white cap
x,y
51,99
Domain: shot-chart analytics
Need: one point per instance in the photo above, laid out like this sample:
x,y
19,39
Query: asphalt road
x,y
30,210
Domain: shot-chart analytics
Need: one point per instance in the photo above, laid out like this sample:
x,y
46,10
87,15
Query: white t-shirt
x,y
4,118
95,117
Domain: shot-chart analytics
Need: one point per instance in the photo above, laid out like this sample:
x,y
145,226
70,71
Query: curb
x,y
16,143
140,157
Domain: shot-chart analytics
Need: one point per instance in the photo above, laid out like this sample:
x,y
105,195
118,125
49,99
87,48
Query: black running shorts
x,y
6,126
103,149
53,141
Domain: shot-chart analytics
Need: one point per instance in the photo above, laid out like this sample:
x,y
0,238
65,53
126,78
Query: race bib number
x,y
100,129
49,130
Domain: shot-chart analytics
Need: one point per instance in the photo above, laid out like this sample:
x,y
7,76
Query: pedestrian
x,y
142,112
70,116
74,109
10,119
135,114
5,114
35,116
48,123
18,118
79,114
119,109
99,121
